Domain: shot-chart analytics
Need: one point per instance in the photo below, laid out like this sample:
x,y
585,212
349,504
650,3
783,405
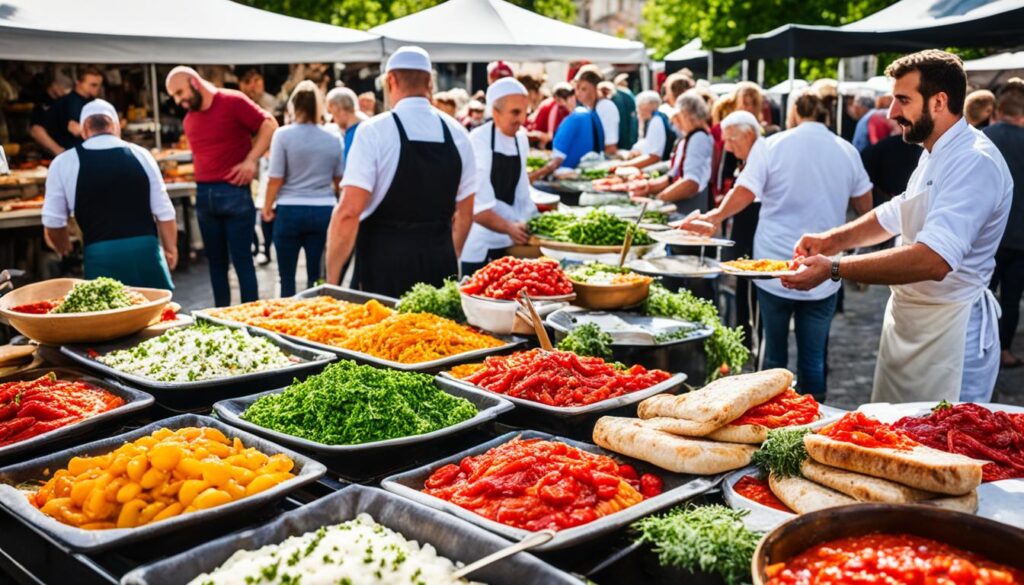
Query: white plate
x,y
682,238
678,266
757,274
541,198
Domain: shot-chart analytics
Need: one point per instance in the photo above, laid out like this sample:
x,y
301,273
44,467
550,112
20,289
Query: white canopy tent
x,y
184,31
467,31
994,69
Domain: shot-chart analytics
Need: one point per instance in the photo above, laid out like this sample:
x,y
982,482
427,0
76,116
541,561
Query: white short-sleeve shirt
x,y
481,239
373,161
609,115
970,192
693,159
62,182
810,176
653,141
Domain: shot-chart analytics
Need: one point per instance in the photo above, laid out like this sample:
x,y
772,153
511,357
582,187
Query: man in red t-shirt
x,y
227,133
550,113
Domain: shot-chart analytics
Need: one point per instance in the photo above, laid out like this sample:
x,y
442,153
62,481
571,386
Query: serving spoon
x,y
535,539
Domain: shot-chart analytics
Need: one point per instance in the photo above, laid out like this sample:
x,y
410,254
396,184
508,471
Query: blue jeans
x,y
295,227
227,217
813,320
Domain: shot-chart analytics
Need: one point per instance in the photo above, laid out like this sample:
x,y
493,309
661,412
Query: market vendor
x,y
407,200
579,134
116,193
57,129
503,203
939,336
686,183
657,136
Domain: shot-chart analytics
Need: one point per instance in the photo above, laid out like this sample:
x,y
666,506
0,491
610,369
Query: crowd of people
x,y
438,185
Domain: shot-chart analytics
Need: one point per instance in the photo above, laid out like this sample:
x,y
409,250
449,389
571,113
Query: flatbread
x,y
967,504
922,467
716,404
672,452
747,434
863,488
803,496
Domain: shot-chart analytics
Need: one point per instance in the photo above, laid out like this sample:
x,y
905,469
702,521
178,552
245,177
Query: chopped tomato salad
x,y
537,484
865,431
506,277
786,409
34,407
974,431
758,490
890,559
558,378
38,307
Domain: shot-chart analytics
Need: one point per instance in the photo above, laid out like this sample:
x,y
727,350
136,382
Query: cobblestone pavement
x,y
853,344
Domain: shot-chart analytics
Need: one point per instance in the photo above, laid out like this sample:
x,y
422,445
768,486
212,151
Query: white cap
x,y
98,107
409,57
741,118
503,87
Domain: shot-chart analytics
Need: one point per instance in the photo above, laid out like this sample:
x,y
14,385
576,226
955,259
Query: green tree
x,y
366,14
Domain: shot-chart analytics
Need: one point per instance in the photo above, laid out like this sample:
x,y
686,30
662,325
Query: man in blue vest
x,y
118,198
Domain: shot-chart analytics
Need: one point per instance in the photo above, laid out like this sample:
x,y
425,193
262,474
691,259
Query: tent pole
x,y
789,92
711,65
645,76
746,65
839,103
760,72
469,79
156,105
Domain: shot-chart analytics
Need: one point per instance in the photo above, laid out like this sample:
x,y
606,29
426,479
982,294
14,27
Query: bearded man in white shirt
x,y
939,336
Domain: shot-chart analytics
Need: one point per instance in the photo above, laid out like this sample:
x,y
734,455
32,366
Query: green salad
x,y
444,301
351,404
100,294
199,352
596,228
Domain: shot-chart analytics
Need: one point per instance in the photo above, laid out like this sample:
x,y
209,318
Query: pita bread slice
x,y
922,467
716,404
862,487
803,496
967,504
672,452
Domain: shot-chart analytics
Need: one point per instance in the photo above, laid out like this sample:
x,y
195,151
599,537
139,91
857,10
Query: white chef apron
x,y
922,349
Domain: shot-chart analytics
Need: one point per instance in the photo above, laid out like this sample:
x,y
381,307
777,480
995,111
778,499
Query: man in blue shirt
x,y
341,105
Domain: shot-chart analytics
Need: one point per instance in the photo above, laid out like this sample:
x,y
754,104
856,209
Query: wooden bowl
x,y
993,540
525,251
607,297
93,327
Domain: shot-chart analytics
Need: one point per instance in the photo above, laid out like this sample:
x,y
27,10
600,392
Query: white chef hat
x,y
409,57
741,118
503,87
98,107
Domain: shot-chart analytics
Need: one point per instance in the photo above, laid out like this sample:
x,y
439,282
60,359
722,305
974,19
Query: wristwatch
x,y
835,270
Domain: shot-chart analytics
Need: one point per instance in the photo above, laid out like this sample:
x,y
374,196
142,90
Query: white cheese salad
x,y
199,352
356,552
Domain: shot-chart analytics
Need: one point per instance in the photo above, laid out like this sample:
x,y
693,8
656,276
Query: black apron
x,y
408,238
700,200
112,209
506,170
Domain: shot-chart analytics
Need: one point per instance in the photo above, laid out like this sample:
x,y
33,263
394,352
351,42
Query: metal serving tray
x,y
645,327
452,538
488,406
206,392
575,411
678,487
134,401
355,296
306,470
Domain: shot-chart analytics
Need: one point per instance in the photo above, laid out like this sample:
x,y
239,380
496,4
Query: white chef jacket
x,y
970,194
971,191
481,239
373,160
653,141
62,182
692,160
806,187
609,115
